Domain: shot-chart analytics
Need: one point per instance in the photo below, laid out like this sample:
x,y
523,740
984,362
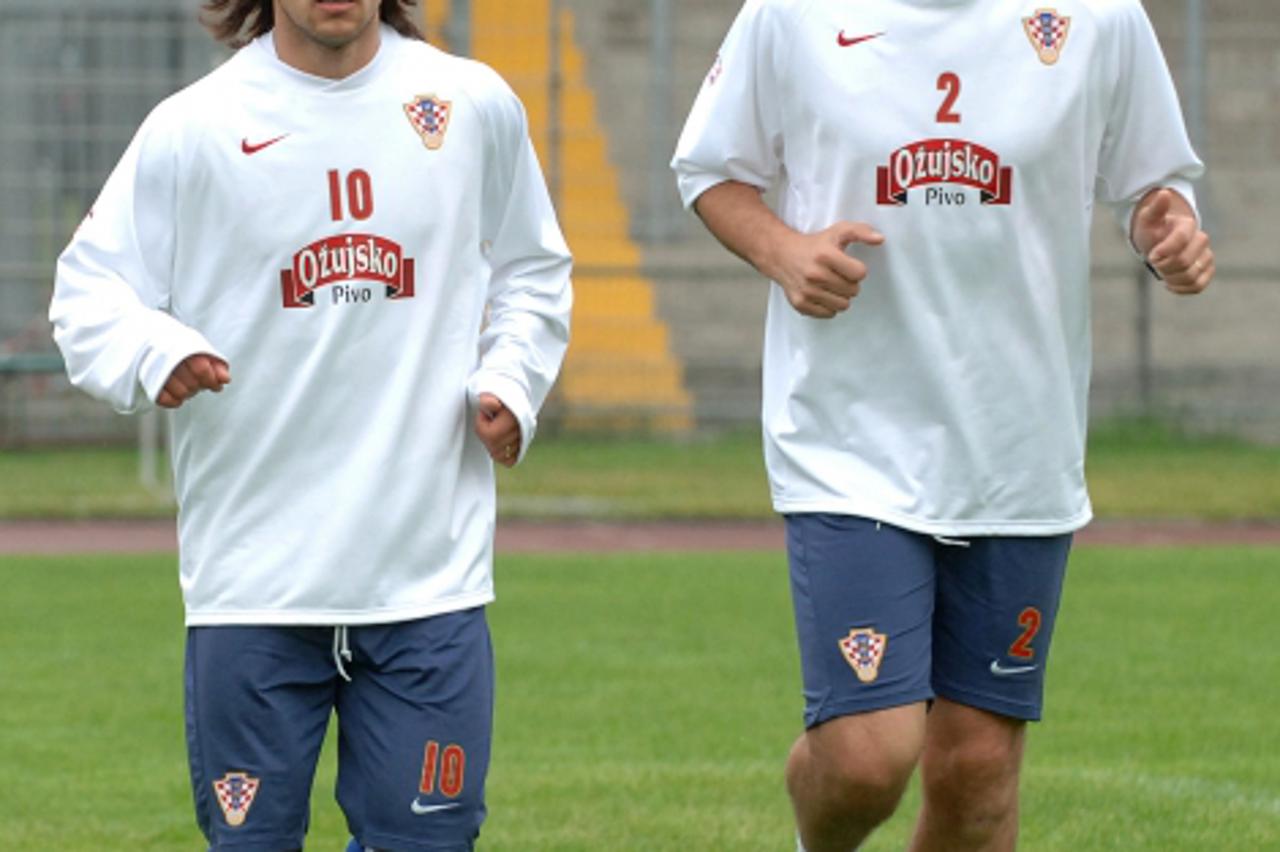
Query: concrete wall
x,y
1212,361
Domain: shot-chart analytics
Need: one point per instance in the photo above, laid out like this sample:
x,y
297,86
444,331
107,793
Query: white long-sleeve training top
x,y
975,135
368,255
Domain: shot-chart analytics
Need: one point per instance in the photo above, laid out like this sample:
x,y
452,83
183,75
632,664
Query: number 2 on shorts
x,y
1029,618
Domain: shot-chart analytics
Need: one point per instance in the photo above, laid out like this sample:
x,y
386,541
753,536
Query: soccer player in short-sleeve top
x,y
934,165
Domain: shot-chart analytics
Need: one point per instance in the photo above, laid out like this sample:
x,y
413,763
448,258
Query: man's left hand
x,y
1166,232
498,429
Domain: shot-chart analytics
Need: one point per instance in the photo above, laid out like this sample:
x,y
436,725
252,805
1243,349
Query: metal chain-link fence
x,y
75,81
667,323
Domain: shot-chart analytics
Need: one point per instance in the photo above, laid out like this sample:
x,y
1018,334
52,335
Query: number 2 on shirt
x,y
949,82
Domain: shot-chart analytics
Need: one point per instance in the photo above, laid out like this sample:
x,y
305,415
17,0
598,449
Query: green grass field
x,y
646,703
1136,470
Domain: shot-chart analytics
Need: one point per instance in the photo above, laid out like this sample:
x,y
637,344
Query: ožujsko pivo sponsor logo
x,y
344,260
934,162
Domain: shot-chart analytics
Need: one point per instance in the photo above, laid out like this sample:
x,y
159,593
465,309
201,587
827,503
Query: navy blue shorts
x,y
414,728
887,617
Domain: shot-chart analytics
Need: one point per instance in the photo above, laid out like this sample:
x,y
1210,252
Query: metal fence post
x,y
555,113
1193,89
152,430
1142,340
149,449
458,28
1194,97
1193,59
660,125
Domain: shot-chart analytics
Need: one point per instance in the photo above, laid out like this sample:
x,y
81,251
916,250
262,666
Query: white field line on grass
x,y
1221,794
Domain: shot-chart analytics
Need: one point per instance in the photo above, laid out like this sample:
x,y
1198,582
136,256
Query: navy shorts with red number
x,y
887,617
414,729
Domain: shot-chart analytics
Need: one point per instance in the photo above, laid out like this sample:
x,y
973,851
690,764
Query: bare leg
x,y
847,775
970,770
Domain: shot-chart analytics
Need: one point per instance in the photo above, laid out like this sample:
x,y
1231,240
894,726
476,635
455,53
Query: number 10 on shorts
x,y
446,766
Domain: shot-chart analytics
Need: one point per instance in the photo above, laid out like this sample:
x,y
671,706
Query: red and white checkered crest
x,y
1048,33
429,116
864,648
235,792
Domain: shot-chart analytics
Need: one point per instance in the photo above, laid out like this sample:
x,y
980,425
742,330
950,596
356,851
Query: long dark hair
x,y
235,23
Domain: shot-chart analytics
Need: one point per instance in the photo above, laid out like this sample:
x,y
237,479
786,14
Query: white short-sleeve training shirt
x,y
975,135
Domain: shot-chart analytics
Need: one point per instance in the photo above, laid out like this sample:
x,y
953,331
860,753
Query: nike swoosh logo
x,y
1004,671
421,809
846,41
250,148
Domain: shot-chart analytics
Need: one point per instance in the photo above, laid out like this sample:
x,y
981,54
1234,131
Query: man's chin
x,y
337,35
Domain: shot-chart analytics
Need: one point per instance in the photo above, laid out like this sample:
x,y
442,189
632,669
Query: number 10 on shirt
x,y
359,195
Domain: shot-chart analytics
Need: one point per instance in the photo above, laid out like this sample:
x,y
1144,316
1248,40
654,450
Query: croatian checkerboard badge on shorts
x,y
235,792
1048,33
429,116
864,648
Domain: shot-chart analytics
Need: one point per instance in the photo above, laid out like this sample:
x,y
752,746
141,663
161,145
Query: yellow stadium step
x,y
616,337
620,371
589,251
641,384
626,394
627,297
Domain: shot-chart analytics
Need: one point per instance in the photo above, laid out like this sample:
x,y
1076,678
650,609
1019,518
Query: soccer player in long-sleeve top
x,y
335,260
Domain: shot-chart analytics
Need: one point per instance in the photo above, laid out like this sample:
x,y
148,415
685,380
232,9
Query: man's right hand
x,y
196,373
819,278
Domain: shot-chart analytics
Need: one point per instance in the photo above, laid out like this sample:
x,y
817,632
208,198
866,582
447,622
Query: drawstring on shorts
x,y
341,651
